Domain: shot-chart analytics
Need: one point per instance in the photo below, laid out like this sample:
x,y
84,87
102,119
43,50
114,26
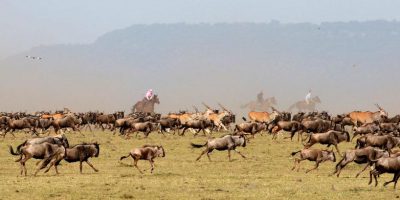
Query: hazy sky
x,y
25,24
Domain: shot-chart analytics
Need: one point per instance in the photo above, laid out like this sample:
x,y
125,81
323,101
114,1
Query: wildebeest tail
x,y
198,145
123,157
295,152
19,147
12,151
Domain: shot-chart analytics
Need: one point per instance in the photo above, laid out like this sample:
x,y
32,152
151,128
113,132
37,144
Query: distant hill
x,y
349,65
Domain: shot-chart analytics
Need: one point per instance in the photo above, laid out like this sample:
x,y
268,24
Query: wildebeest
x,y
316,126
291,126
250,128
367,117
200,124
68,121
169,123
146,152
18,124
359,156
82,153
328,138
49,153
386,165
365,129
385,142
316,155
145,127
227,142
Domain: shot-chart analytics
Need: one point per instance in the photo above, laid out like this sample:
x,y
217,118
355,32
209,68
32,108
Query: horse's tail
x,y
123,157
198,145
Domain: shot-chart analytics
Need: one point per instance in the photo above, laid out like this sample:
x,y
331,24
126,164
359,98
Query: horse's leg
x,y
90,164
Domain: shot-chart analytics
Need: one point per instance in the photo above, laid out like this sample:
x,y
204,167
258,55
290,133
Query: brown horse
x,y
303,106
146,106
261,105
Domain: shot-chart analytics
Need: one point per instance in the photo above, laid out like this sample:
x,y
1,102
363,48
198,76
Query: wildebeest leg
x,y
316,166
183,132
395,177
202,153
337,149
365,168
23,161
239,153
135,164
80,166
229,155
90,164
152,165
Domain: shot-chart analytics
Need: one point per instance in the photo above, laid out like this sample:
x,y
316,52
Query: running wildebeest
x,y
68,121
200,124
328,138
49,153
316,155
386,165
171,123
227,142
365,129
145,127
360,156
385,142
18,124
57,139
146,152
251,128
82,153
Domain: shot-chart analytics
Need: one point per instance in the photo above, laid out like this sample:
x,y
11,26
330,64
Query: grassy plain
x,y
265,174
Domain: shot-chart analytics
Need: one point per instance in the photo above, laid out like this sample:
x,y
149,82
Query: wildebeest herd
x,y
377,135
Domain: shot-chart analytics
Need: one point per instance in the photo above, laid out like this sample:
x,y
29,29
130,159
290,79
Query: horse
x,y
262,105
146,106
303,106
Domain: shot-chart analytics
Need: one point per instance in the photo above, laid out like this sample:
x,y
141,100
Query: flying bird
x,y
34,57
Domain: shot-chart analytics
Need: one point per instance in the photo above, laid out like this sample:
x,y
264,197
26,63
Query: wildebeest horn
x,y
206,105
195,108
377,105
223,107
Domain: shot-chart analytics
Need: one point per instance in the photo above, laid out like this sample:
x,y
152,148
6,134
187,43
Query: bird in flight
x,y
34,57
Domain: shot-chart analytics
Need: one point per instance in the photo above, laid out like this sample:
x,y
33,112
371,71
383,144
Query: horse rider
x,y
308,97
149,94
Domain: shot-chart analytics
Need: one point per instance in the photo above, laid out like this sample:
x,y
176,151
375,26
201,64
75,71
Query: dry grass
x,y
265,174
